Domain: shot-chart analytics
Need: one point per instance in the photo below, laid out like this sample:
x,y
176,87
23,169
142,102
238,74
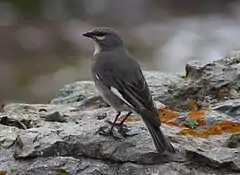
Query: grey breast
x,y
101,61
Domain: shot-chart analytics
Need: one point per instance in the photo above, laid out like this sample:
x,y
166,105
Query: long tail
x,y
161,142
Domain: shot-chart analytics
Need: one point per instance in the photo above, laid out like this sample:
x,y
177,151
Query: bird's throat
x,y
97,48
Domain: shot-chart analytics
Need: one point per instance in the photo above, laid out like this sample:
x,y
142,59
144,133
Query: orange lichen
x,y
228,126
130,119
135,119
169,123
201,122
218,128
222,93
166,114
188,131
192,103
196,114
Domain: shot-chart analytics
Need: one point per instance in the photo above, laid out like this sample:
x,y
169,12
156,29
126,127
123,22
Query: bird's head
x,y
105,39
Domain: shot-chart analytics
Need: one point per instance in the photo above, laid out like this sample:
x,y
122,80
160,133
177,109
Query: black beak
x,y
88,34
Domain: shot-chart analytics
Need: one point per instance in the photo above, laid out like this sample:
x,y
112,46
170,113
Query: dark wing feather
x,y
119,70
130,83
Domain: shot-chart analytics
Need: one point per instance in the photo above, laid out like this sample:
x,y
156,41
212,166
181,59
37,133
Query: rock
x,y
8,135
209,83
194,69
74,92
80,94
55,117
233,141
170,169
55,165
206,83
73,142
159,83
63,136
230,107
216,158
21,124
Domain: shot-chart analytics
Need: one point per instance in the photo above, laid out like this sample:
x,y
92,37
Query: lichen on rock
x,y
200,116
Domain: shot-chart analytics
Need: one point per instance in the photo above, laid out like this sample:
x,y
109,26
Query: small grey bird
x,y
120,81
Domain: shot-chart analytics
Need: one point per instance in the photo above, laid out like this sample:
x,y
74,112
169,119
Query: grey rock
x,y
194,69
232,59
63,136
230,107
55,165
215,158
55,117
80,94
206,83
170,169
68,92
83,139
70,165
80,142
212,117
160,85
8,135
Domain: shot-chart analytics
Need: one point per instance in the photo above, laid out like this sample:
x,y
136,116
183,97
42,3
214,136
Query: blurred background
x,y
42,49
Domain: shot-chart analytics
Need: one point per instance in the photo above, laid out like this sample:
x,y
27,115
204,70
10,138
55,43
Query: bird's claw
x,y
106,131
125,134
119,126
120,133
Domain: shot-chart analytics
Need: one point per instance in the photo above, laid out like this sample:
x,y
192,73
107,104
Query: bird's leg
x,y
122,122
109,132
125,118
115,120
123,130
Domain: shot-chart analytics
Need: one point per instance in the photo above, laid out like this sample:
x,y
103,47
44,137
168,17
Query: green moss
x,y
233,141
191,122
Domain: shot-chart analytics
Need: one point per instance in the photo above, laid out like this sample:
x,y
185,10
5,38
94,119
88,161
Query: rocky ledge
x,y
200,114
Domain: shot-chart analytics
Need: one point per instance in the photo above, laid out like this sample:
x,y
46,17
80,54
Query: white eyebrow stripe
x,y
100,37
117,93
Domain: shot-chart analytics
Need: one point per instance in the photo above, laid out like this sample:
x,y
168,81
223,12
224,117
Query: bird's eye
x,y
100,37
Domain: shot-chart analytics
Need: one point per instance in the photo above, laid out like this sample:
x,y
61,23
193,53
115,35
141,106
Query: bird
x,y
119,79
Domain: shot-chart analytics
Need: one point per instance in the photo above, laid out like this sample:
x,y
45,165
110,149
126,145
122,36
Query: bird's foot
x,y
119,126
125,134
122,129
106,131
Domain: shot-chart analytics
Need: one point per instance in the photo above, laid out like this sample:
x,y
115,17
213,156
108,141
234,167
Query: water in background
x,y
42,49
